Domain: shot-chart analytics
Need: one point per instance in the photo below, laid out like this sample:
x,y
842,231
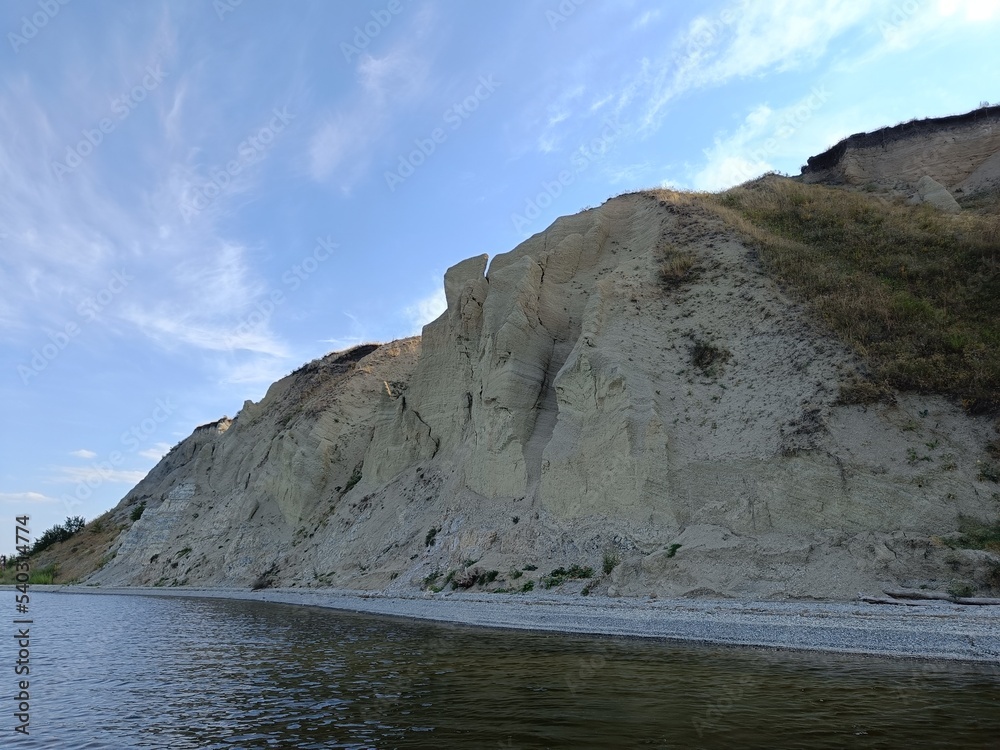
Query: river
x,y
118,672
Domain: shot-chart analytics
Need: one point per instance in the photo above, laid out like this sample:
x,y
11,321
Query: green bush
x,y
610,561
560,575
43,576
136,513
58,533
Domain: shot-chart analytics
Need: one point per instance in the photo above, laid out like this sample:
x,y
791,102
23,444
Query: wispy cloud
x,y
93,475
426,309
25,497
764,137
83,453
646,18
342,146
156,452
121,209
745,39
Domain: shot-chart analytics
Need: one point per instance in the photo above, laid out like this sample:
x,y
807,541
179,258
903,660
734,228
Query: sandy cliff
x,y
960,153
575,403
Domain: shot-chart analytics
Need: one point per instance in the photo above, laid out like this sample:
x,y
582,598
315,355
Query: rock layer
x,y
960,153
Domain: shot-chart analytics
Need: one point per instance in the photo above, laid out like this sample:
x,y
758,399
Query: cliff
x,y
635,390
961,153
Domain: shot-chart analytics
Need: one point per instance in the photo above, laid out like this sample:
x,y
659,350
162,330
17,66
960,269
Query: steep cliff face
x,y
230,501
628,385
962,153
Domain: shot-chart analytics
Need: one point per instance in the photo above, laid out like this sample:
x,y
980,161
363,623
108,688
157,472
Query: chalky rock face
x,y
229,502
960,154
570,403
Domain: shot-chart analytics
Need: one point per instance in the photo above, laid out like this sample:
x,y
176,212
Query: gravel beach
x,y
936,630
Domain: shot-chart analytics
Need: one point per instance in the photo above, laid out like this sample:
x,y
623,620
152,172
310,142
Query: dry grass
x,y
677,267
913,291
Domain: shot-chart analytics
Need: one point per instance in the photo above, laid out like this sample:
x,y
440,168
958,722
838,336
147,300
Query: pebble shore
x,y
931,630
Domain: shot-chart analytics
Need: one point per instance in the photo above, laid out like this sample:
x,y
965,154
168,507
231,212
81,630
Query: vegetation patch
x,y
672,549
977,535
264,580
560,575
429,579
43,576
857,391
355,478
58,533
709,358
677,267
611,560
137,512
912,290
429,539
961,589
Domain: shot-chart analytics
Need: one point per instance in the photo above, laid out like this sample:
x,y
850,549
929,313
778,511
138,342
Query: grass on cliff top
x,y
914,291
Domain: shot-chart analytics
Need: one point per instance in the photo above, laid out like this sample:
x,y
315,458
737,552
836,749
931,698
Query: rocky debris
x,y
934,193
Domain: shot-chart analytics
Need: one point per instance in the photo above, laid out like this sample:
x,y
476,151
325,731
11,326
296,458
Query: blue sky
x,y
200,196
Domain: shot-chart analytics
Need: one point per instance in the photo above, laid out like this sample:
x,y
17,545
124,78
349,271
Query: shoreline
x,y
929,631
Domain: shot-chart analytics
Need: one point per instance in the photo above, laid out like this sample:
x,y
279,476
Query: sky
x,y
199,196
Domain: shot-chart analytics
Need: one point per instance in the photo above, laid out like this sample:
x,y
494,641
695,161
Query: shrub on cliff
x,y
58,533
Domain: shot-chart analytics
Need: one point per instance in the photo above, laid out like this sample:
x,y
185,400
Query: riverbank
x,y
935,630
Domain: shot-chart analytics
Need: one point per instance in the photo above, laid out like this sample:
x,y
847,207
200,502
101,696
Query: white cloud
x,y
746,39
332,142
424,310
156,452
345,141
96,475
969,10
83,453
764,137
260,370
646,18
68,237
25,497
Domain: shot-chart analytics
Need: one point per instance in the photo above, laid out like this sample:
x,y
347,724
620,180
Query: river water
x,y
119,672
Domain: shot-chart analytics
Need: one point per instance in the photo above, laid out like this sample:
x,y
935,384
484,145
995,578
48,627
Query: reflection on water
x,y
140,672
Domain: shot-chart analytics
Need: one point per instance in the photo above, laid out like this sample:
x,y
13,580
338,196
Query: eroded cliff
x,y
631,390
